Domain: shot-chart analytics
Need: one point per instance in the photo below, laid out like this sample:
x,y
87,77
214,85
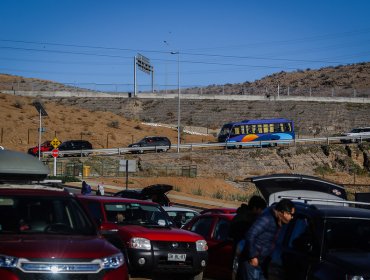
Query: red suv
x,y
145,233
44,231
44,147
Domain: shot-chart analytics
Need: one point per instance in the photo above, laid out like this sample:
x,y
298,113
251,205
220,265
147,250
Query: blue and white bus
x,y
257,130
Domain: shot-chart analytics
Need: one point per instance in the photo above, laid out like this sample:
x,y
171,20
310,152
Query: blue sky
x,y
219,41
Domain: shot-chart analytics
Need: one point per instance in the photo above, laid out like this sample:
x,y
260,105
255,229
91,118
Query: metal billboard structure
x,y
143,63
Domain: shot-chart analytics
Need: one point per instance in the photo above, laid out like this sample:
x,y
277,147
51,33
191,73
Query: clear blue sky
x,y
219,41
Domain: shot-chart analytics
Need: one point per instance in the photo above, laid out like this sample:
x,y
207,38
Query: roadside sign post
x,y
42,113
127,166
55,153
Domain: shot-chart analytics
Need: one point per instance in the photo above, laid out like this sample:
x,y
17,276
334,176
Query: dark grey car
x,y
151,143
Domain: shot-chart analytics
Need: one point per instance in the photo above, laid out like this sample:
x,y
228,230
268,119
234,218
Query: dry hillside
x,y
20,122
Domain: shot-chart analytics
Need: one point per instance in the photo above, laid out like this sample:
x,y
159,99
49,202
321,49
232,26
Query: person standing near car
x,y
100,189
261,237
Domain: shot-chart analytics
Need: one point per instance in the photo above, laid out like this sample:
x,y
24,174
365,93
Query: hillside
x,y
20,123
347,78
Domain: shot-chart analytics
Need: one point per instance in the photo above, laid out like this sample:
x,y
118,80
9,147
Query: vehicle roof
x,y
259,121
112,199
176,208
228,216
334,211
17,166
221,210
33,190
270,184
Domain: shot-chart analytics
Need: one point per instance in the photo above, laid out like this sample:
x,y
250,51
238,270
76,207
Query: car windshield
x,y
347,234
181,216
136,213
47,215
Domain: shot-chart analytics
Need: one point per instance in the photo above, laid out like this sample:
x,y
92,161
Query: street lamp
x,y
178,97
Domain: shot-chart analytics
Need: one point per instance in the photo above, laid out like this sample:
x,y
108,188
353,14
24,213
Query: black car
x,y
151,143
156,193
324,242
72,146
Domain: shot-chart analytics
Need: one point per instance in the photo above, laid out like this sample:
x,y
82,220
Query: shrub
x,y
114,124
197,191
18,104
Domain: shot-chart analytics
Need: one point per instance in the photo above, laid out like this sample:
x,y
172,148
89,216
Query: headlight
x,y
201,245
354,277
140,243
113,262
8,261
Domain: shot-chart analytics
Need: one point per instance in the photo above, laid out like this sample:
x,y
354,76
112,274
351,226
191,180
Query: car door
x,y
298,248
220,253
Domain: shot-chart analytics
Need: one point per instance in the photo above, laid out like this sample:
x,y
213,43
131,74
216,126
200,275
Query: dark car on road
x,y
324,242
75,147
44,231
155,248
156,193
44,147
151,143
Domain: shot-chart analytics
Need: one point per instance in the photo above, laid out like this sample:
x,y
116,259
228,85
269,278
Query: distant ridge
x,y
346,77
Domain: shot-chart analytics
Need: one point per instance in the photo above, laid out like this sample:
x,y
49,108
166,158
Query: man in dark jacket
x,y
261,237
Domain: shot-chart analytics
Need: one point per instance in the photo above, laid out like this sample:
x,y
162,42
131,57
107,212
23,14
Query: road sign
x,y
55,153
55,142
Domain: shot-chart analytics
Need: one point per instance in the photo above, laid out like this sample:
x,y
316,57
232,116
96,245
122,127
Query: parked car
x,y
155,193
324,242
180,215
214,227
356,135
44,147
224,210
82,146
151,143
154,247
44,231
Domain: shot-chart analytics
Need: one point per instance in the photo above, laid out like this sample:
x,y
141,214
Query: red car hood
x,y
55,246
160,233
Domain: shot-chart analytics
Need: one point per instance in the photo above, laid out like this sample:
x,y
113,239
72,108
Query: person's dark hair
x,y
257,202
284,205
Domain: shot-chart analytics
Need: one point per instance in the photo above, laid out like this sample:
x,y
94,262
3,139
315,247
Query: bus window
x,y
265,128
276,127
272,128
242,129
259,128
287,127
236,130
253,128
281,127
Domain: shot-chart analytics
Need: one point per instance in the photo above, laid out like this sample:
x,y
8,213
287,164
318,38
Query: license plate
x,y
176,257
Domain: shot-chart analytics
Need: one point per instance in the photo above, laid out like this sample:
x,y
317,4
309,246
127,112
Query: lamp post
x,y
179,103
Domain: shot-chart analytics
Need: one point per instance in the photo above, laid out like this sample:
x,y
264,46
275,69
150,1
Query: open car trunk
x,y
297,187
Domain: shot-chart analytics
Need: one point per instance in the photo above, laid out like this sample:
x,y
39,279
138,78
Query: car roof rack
x,y
338,202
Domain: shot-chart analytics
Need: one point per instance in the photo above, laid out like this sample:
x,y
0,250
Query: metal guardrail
x,y
191,146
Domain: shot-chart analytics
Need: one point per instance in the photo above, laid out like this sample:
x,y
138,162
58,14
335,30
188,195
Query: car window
x,y
347,234
95,210
31,215
301,236
202,226
136,213
221,232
